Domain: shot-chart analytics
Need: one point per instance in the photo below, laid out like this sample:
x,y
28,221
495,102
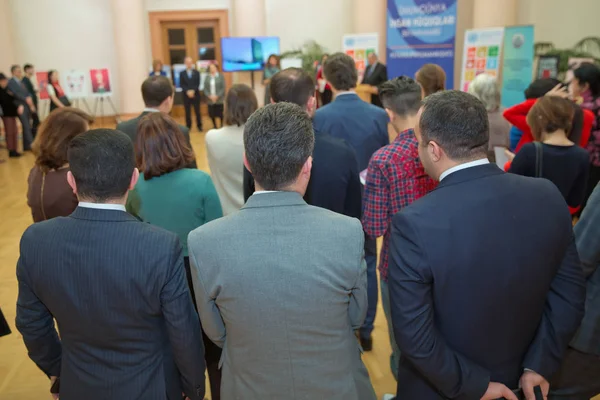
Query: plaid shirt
x,y
395,179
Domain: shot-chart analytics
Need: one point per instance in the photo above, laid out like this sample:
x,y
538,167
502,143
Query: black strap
x,y
539,159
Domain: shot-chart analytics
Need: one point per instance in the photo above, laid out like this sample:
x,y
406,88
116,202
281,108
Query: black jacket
x,y
192,83
375,78
8,103
31,90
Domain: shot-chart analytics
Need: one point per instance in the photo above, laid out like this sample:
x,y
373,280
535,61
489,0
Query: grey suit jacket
x,y
281,286
18,90
219,88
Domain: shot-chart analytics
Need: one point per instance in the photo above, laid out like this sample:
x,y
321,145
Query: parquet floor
x,y
20,379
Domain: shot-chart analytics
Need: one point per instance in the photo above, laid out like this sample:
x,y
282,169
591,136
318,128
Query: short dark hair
x,y
155,90
457,122
14,67
549,114
293,85
160,146
2,76
240,103
278,139
540,87
27,66
340,71
589,73
102,163
50,73
402,95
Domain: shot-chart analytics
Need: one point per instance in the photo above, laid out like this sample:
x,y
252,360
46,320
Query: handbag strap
x,y
539,159
42,195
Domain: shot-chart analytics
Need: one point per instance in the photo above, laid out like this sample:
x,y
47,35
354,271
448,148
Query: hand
x,y
531,379
559,91
509,154
55,396
190,94
20,109
498,391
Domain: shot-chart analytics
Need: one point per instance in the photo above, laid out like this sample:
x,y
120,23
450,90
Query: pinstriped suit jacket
x,y
118,291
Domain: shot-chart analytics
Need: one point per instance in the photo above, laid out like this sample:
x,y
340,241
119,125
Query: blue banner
x,y
420,32
517,64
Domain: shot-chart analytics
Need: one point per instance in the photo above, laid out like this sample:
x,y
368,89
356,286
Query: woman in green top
x,y
173,197
271,68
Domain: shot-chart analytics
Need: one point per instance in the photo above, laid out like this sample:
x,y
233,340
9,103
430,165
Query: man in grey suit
x,y
23,97
282,285
116,287
157,92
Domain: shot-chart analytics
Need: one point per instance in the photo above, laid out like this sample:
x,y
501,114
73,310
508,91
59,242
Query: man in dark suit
x,y
334,180
365,128
375,75
579,376
116,287
157,92
485,282
27,81
189,80
23,98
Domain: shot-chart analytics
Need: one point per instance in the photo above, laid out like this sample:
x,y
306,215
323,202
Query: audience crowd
x,y
264,273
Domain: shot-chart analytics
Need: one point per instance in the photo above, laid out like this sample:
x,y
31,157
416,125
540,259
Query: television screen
x,y
247,53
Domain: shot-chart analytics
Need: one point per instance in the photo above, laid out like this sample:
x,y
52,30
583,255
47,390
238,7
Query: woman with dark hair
x,y
175,198
432,79
58,99
324,87
554,155
271,68
585,87
225,147
49,195
214,90
10,111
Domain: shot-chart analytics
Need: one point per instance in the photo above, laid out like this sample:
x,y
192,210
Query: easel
x,y
100,102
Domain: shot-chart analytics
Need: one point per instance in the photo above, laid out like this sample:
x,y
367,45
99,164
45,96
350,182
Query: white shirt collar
x,y
266,191
345,92
459,167
149,109
101,206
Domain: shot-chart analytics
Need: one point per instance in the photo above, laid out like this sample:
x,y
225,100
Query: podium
x,y
364,92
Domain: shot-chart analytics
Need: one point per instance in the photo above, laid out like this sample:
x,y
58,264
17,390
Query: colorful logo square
x,y
471,52
491,73
360,65
479,72
482,52
469,75
466,87
350,53
492,63
493,51
480,63
470,63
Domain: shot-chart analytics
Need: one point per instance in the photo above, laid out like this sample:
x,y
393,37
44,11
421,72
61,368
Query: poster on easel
x,y
482,54
177,70
547,67
75,83
359,46
101,83
42,80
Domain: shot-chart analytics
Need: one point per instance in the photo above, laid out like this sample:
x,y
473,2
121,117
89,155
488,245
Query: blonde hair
x,y
485,88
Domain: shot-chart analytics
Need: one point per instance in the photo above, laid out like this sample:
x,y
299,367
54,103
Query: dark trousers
x,y
35,123
212,352
372,289
12,132
187,104
326,97
25,119
4,328
215,111
578,378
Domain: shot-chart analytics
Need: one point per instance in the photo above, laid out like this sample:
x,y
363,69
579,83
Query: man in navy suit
x,y
365,128
189,80
116,287
334,180
485,281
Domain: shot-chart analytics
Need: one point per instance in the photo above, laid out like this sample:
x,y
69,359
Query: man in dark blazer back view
x,y
375,75
27,81
116,287
189,80
157,92
485,281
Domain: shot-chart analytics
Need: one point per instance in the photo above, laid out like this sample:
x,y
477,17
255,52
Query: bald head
x,y
293,85
188,62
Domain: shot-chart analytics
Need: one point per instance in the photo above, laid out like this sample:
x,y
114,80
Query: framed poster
x,y
76,83
42,80
547,67
482,54
517,63
101,84
177,70
359,47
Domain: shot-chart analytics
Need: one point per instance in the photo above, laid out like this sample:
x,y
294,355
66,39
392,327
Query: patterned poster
x,y
101,84
42,79
482,54
359,47
75,83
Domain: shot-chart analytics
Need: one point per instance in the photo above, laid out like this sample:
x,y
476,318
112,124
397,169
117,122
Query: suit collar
x,y
94,214
470,174
346,96
275,199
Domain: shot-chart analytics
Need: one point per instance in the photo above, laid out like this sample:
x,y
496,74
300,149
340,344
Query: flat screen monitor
x,y
247,53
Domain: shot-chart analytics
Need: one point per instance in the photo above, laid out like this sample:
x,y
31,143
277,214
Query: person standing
x,y
578,375
58,98
23,97
129,329
214,90
323,87
271,68
481,302
189,80
157,69
284,318
395,179
432,79
365,128
11,110
28,80
375,75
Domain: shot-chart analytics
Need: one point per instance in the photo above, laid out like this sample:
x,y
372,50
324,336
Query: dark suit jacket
x,y
130,128
118,290
363,126
484,281
19,91
375,78
334,180
189,84
31,90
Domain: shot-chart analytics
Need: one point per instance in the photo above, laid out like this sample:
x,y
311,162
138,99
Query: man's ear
x,y
71,181
307,167
134,178
246,163
390,114
435,151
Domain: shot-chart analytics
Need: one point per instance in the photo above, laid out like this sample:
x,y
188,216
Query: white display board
x,y
482,54
359,46
76,83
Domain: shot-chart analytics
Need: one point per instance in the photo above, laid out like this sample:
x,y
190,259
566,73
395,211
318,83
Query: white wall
x,y
560,22
169,5
65,34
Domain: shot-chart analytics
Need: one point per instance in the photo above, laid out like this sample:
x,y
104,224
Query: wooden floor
x,y
20,379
